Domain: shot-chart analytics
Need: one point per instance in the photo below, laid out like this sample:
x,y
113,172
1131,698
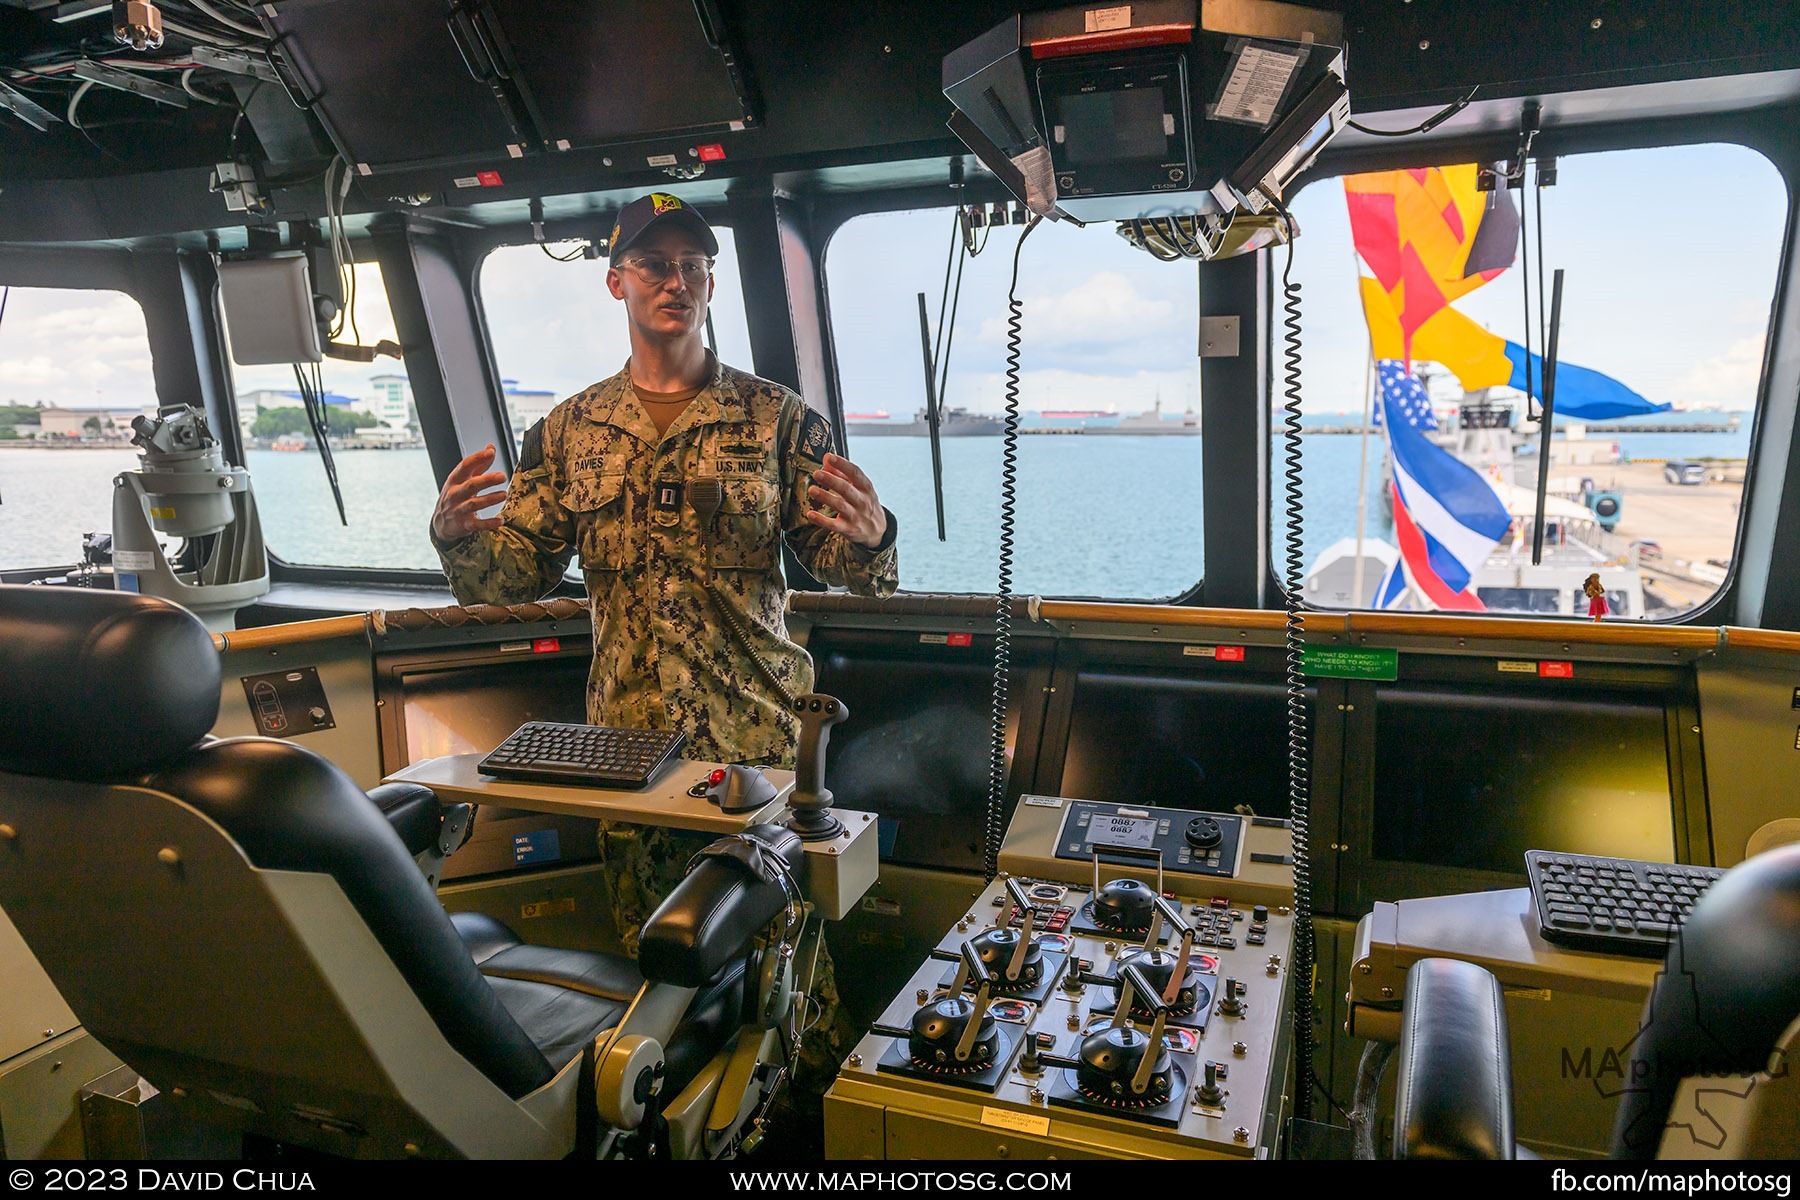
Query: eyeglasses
x,y
655,270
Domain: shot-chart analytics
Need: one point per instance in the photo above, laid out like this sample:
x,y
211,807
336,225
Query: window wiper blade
x,y
312,400
931,415
1546,416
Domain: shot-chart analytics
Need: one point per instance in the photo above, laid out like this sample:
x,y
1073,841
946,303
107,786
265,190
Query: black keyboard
x,y
593,755
1618,905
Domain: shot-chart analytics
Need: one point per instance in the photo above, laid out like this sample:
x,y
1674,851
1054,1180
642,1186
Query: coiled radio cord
x,y
1009,478
1299,741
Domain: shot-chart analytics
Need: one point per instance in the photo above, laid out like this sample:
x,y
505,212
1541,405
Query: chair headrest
x,y
1738,948
100,684
1726,995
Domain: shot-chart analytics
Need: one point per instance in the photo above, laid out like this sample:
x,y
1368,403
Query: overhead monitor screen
x,y
1104,126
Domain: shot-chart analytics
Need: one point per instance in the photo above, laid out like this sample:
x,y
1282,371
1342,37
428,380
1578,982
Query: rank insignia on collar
x,y
665,495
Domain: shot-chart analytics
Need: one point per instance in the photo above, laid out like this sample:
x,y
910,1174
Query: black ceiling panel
x,y
843,95
389,83
406,83
603,73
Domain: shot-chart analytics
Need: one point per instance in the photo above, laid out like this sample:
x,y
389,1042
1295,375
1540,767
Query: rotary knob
x,y
1203,833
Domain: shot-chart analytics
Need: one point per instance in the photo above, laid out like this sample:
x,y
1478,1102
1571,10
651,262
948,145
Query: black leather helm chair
x,y
245,927
1726,1003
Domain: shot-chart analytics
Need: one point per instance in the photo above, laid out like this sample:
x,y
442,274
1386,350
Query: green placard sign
x,y
1349,662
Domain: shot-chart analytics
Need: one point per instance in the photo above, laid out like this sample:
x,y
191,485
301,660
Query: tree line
x,y
279,422
14,415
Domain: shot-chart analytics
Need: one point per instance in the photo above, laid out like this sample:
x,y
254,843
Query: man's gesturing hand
x,y
464,495
840,487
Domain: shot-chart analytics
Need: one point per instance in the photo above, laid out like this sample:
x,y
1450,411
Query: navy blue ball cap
x,y
658,208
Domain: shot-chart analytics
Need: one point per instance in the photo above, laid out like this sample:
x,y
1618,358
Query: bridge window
x,y
555,328
1108,469
376,448
1661,342
74,371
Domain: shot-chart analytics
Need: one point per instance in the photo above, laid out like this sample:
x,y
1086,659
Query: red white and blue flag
x,y
1447,517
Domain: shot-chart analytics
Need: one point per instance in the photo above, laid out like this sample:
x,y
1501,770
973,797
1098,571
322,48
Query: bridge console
x,y
1121,988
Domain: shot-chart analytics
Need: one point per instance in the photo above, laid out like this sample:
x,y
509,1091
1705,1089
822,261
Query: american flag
x,y
1447,517
1406,394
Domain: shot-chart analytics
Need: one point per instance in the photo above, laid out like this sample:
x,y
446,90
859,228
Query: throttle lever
x,y
1136,982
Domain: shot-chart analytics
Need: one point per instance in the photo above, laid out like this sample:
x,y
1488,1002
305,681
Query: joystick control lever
x,y
1231,999
810,802
1211,1094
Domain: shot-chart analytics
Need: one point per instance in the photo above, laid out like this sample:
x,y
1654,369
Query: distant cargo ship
x,y
954,422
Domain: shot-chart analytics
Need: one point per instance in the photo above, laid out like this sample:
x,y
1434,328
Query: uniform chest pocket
x,y
605,534
748,524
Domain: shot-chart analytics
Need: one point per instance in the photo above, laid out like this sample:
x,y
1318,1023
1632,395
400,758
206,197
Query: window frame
x,y
1737,130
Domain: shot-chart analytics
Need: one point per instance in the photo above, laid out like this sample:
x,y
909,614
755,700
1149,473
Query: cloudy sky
x,y
1670,257
73,349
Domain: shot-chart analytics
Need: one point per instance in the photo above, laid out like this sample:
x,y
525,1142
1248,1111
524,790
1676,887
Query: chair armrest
x,y
729,896
1454,1098
415,814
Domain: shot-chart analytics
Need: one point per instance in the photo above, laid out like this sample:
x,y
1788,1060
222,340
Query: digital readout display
x,y
1135,832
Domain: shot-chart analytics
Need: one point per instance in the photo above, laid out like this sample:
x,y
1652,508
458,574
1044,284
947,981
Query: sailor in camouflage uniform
x,y
676,482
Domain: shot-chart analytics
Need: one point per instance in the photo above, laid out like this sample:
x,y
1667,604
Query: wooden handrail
x,y
1693,638
1172,614
293,633
1781,640
1590,633
1435,625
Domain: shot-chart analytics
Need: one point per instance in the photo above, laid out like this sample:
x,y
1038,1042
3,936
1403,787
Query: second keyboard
x,y
1587,902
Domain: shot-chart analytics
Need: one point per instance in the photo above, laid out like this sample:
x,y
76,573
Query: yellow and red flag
x,y
1430,236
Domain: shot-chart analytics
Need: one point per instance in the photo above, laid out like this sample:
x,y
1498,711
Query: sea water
x,y
1113,516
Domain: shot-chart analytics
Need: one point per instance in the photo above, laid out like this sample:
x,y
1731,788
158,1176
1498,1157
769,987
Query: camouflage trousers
x,y
643,863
